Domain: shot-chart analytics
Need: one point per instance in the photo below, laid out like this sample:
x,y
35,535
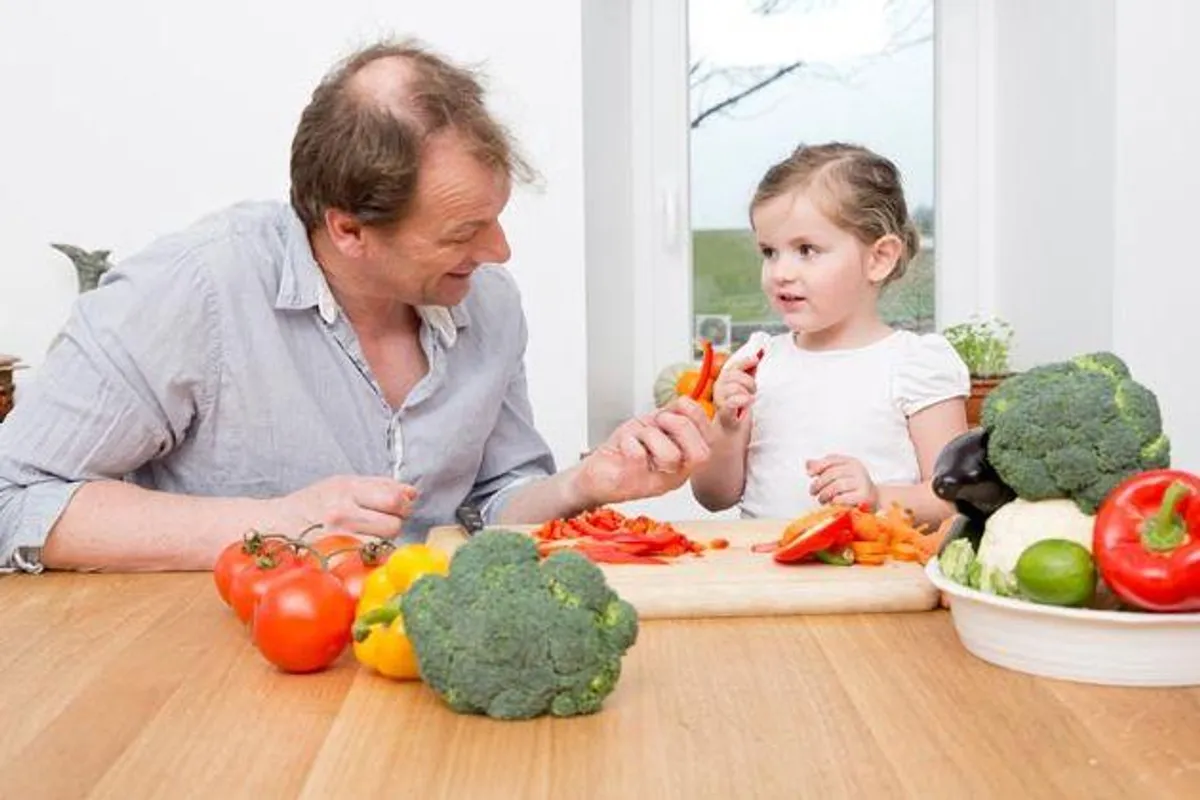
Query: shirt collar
x,y
302,285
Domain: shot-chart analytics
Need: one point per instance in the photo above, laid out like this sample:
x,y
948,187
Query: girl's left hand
x,y
842,480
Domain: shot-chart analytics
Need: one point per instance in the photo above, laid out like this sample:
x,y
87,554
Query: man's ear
x,y
885,254
346,233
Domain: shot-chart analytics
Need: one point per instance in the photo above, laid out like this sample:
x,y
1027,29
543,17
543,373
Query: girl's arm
x,y
931,430
718,484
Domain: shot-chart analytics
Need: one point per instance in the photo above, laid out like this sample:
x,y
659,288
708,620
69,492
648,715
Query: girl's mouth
x,y
790,299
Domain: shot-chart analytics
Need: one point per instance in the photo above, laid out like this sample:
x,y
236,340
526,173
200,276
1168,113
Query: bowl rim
x,y
934,572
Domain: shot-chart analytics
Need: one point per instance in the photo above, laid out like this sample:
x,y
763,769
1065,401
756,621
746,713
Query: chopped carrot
x,y
905,551
718,544
867,526
870,559
868,549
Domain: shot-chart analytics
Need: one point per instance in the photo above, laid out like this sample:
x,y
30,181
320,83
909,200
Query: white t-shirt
x,y
855,403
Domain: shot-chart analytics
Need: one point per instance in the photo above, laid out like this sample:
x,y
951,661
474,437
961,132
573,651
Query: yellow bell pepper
x,y
379,638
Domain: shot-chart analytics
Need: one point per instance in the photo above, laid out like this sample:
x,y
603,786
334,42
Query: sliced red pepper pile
x,y
606,536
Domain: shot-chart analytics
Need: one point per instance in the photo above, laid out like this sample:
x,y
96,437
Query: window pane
x,y
767,75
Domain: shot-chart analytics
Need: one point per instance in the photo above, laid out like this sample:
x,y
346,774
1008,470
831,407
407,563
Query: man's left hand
x,y
646,456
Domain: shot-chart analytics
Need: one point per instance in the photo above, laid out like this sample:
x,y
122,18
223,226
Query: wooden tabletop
x,y
146,686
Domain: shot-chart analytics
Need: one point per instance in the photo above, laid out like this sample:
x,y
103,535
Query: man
x,y
346,359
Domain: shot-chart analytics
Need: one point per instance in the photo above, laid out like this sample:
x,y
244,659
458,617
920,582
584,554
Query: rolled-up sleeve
x,y
118,388
515,453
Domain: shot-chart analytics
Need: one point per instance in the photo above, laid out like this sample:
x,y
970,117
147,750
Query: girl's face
x,y
819,277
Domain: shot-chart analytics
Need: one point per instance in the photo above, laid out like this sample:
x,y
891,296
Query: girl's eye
x,y
806,250
767,252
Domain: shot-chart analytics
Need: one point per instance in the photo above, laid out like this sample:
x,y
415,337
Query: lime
x,y
1057,572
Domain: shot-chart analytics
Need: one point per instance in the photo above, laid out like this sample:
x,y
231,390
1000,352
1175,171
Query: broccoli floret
x,y
507,635
1073,429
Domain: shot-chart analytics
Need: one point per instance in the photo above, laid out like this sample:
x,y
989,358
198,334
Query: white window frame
x,y
965,101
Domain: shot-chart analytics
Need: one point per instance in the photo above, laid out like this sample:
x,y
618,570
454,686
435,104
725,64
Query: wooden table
x,y
146,686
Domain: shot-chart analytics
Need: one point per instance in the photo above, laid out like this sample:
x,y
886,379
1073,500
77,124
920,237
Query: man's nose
x,y
493,245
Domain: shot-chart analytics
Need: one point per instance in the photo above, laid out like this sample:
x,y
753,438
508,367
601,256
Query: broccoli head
x,y
511,636
1073,429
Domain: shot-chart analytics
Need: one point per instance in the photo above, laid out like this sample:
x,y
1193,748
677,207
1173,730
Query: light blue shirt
x,y
217,362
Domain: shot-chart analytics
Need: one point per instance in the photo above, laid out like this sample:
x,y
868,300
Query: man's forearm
x,y
121,527
553,497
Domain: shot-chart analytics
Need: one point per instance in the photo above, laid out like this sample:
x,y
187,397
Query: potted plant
x,y
983,346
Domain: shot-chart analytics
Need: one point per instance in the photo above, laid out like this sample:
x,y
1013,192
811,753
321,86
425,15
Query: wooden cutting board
x,y
739,583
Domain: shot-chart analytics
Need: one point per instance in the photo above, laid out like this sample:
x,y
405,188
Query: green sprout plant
x,y
983,344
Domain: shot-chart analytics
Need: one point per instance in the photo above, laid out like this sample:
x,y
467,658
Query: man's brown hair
x,y
860,191
360,153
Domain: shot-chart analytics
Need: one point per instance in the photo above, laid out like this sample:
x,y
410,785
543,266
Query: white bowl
x,y
1117,648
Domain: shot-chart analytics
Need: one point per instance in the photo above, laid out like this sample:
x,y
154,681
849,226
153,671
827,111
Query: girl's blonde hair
x,y
861,193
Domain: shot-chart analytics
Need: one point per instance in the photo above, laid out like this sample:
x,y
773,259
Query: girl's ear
x,y
885,253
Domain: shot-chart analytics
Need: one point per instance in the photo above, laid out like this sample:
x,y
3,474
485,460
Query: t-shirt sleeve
x,y
930,371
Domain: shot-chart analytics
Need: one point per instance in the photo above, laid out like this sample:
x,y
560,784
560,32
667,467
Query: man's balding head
x,y
358,145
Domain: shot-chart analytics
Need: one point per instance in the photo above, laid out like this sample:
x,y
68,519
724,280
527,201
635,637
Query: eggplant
x,y
963,476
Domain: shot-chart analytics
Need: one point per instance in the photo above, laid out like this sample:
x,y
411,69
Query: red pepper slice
x,y
705,371
607,554
827,533
1147,540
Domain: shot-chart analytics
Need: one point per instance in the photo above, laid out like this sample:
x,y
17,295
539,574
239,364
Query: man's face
x,y
452,228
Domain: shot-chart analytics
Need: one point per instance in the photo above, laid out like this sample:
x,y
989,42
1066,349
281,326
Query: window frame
x,y
660,218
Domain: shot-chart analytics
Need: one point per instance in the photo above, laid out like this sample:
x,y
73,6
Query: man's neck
x,y
371,311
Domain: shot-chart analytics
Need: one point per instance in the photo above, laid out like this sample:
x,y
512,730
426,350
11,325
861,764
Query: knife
x,y
469,517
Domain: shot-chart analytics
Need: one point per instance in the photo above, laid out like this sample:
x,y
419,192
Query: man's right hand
x,y
370,506
734,391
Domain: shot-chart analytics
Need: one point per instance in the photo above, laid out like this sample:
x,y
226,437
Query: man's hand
x,y
370,506
842,480
646,456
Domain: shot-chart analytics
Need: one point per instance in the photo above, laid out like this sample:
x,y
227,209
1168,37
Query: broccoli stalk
x,y
1073,429
507,635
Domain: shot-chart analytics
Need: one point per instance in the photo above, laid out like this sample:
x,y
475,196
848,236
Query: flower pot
x,y
980,388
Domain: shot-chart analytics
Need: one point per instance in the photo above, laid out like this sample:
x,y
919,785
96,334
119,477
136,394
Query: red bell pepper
x,y
1147,540
706,366
829,533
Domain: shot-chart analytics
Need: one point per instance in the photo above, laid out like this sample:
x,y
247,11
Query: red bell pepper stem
x,y
705,371
1166,530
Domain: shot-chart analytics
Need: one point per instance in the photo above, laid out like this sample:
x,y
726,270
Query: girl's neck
x,y
850,334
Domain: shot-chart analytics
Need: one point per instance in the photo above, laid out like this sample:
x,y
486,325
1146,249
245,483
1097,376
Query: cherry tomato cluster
x,y
298,597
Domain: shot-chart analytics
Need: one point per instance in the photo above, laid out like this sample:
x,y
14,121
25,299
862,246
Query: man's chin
x,y
451,291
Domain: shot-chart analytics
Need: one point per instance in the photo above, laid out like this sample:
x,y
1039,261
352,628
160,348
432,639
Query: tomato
x,y
248,585
238,556
327,546
302,622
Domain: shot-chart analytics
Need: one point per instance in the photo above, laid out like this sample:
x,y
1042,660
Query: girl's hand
x,y
734,391
842,480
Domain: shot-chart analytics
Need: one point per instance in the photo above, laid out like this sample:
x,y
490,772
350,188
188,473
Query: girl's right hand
x,y
734,390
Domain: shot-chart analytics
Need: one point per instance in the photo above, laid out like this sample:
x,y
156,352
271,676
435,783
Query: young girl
x,y
842,408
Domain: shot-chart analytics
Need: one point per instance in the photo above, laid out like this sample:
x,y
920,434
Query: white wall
x,y
124,120
1054,72
1156,326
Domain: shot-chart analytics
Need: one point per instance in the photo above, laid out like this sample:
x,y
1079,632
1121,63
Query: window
x,y
766,75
